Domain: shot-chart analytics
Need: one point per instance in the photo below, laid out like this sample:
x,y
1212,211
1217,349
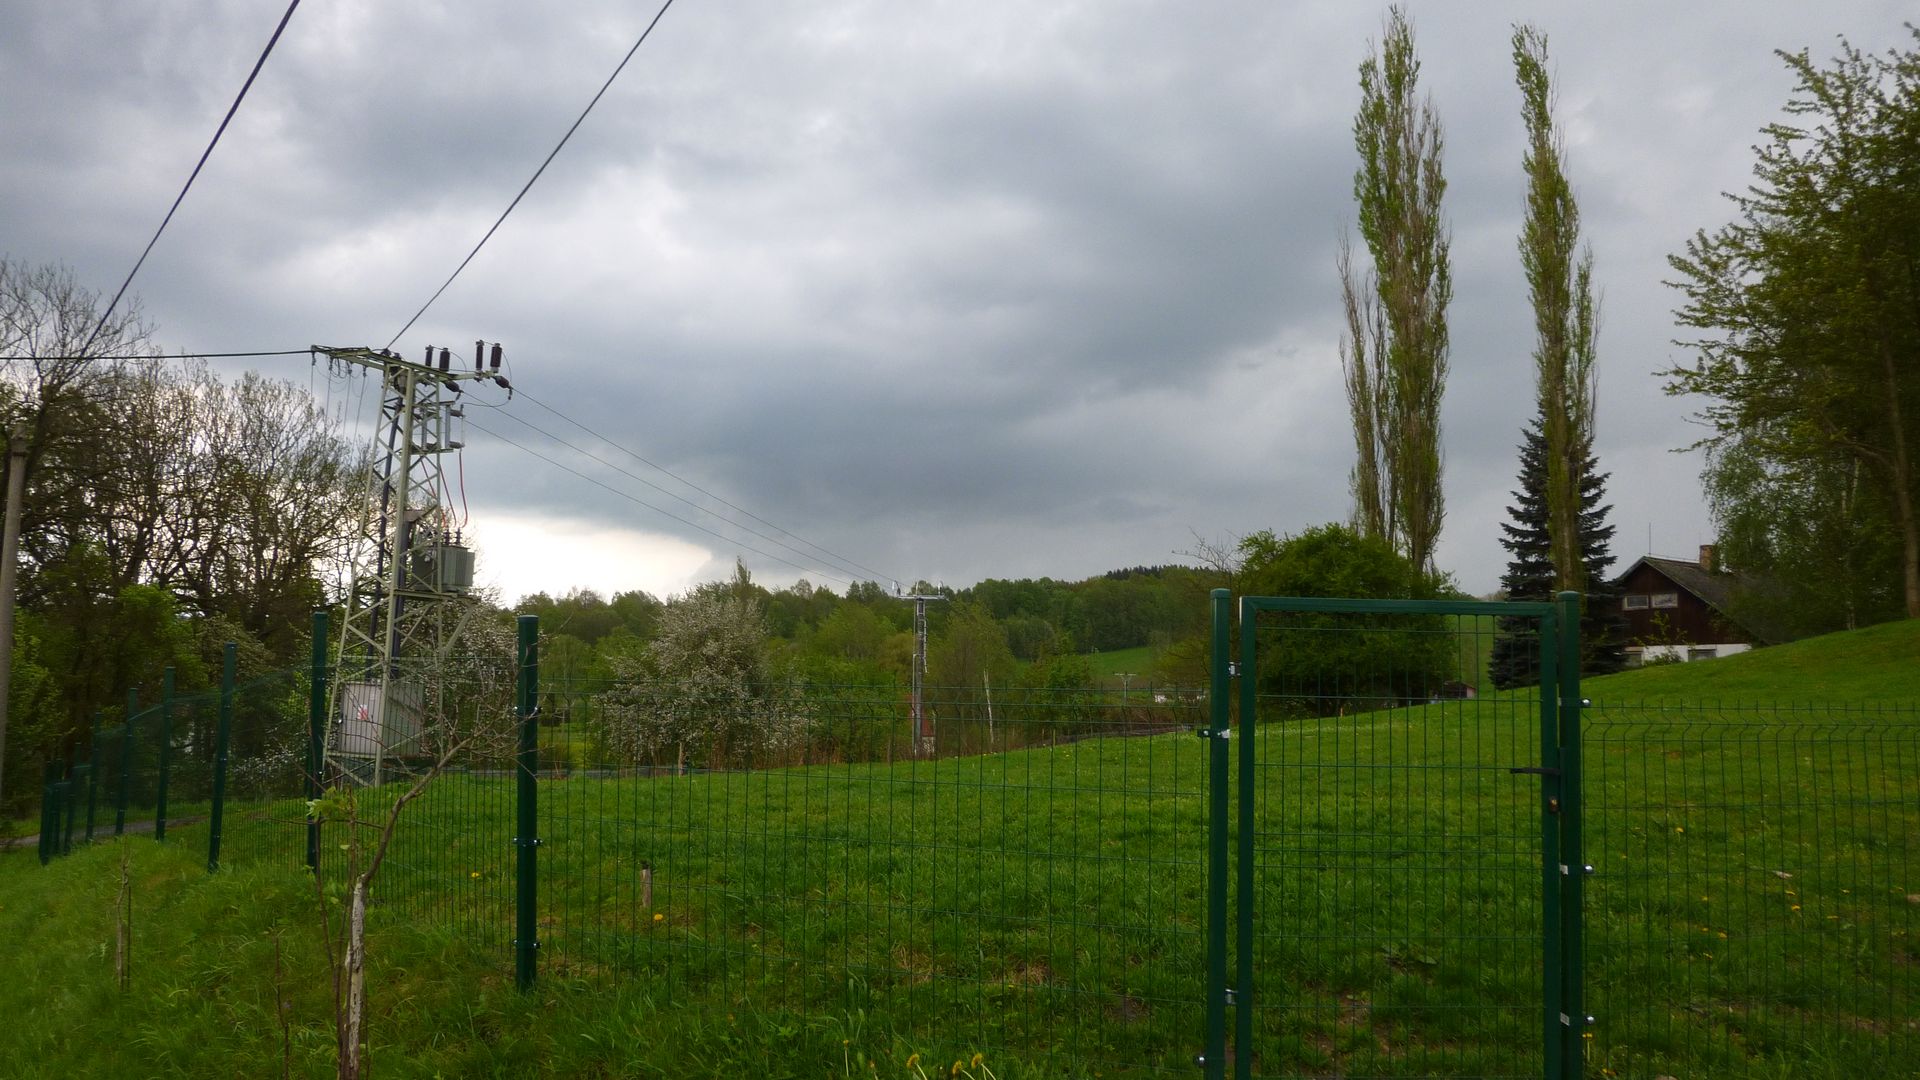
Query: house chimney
x,y
1709,558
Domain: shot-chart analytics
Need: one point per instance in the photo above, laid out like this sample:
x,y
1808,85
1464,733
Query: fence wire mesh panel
x,y
263,814
449,861
1030,885
1396,913
1756,910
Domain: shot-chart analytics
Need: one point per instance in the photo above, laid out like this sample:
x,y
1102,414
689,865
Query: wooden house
x,y
1676,609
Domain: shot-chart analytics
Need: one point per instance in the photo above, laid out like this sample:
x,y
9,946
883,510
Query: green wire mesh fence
x,y
1024,880
1756,901
1024,872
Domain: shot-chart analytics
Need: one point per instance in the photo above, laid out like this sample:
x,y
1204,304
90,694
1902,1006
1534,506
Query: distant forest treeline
x,y
1032,630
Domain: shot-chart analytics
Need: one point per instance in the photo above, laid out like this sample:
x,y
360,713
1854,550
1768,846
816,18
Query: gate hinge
x,y
1233,669
1232,997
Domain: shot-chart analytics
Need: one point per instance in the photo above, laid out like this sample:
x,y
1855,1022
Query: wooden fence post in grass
x,y
123,922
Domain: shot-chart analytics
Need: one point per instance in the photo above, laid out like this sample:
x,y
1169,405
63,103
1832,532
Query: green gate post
x,y
316,732
1213,1058
1249,716
1554,1016
82,779
228,664
166,747
1573,869
93,770
126,762
527,823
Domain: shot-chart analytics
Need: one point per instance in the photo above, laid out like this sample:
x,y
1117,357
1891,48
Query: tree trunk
x,y
356,978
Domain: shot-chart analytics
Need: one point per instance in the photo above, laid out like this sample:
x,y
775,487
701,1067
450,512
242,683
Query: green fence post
x,y
126,762
93,771
228,664
527,823
1573,869
1243,875
166,747
1213,1055
316,732
46,813
71,797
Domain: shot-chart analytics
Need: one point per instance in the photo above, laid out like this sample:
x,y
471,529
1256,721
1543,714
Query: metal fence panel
x,y
1033,887
1757,905
1395,884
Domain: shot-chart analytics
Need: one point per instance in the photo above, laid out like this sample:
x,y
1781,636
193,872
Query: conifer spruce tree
x,y
1531,573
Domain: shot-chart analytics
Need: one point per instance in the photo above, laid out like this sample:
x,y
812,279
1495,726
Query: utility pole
x,y
9,557
408,558
922,723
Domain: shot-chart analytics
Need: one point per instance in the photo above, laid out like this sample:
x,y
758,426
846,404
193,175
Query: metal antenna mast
x,y
407,559
922,723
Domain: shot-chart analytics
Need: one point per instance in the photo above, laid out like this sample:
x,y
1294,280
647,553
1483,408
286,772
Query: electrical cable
x,y
876,574
536,174
832,558
188,355
665,513
204,155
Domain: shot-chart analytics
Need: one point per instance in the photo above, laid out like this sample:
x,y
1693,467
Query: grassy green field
x,y
1754,910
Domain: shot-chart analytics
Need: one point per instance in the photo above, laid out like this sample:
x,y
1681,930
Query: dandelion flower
x,y
657,917
475,875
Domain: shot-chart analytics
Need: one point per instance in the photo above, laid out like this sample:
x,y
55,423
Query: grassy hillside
x,y
1877,664
1753,911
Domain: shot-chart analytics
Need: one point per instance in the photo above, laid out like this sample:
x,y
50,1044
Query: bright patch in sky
x,y
523,555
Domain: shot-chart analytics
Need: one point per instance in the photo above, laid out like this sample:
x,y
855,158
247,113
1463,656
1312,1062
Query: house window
x,y
1634,602
1666,599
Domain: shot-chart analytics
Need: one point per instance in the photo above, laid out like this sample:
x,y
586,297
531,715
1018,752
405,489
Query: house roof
x,y
1712,588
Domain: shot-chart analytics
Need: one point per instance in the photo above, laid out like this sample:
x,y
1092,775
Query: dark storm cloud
x,y
954,289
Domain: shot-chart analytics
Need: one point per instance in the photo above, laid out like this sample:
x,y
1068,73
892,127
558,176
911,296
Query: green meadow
x,y
1753,909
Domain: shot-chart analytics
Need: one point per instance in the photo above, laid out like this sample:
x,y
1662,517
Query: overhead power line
x,y
844,564
876,575
658,510
204,155
188,355
536,174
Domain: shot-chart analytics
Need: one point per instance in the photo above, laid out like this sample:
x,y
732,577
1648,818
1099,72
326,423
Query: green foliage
x,y
1809,339
1410,661
1816,546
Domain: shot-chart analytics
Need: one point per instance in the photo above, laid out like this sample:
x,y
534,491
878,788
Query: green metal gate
x,y
1402,838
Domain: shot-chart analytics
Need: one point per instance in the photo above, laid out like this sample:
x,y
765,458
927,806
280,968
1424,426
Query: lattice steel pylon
x,y
408,562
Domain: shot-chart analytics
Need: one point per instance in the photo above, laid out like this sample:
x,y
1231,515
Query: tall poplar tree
x,y
1395,354
1560,286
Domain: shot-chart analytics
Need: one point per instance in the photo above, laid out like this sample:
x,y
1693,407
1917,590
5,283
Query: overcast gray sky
x,y
952,290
